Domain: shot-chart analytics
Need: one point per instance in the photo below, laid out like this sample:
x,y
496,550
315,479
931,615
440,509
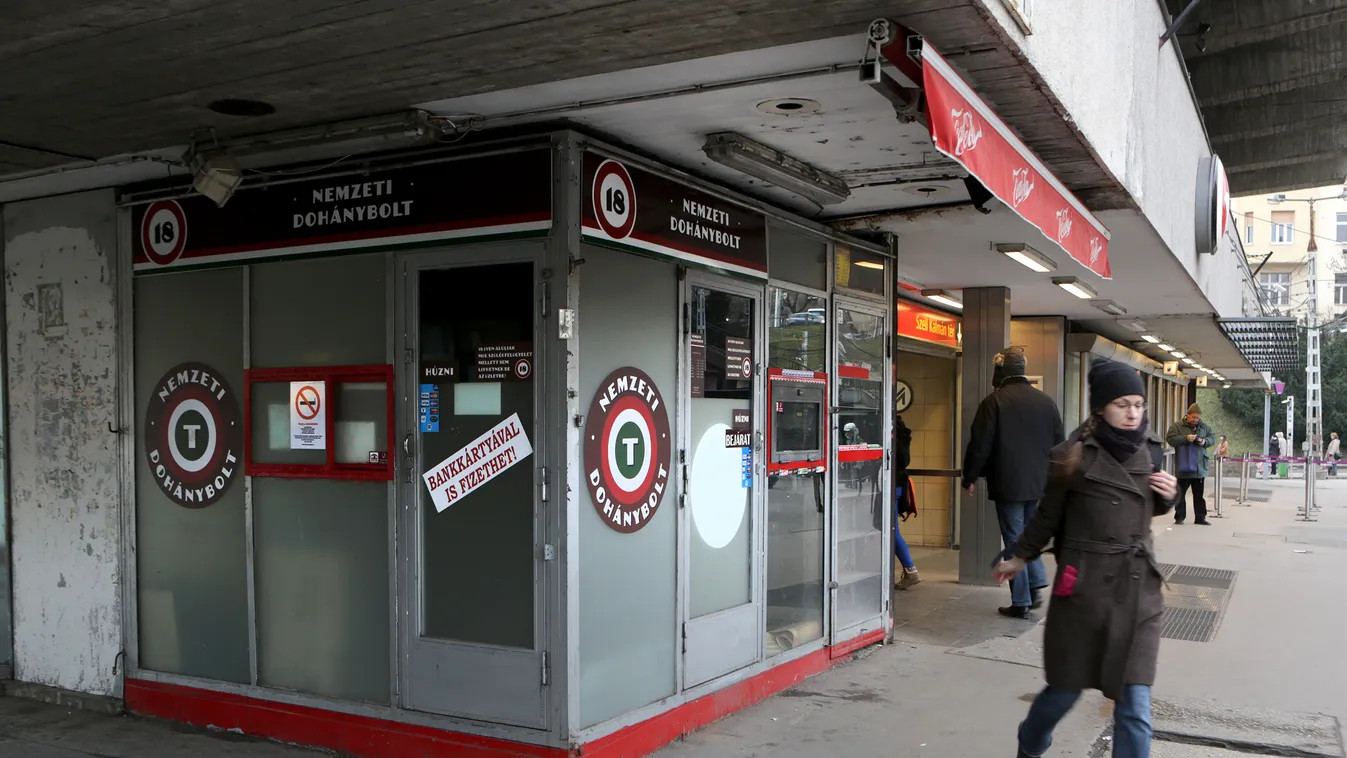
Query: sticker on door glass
x,y
627,449
308,417
480,461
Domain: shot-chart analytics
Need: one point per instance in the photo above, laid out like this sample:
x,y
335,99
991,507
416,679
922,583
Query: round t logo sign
x,y
614,199
163,232
193,435
627,450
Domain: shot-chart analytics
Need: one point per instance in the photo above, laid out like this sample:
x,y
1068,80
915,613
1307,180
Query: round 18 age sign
x,y
627,449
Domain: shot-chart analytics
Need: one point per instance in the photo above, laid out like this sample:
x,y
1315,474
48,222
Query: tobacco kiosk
x,y
525,448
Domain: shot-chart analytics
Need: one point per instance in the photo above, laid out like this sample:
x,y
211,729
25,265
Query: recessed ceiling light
x,y
789,106
944,297
231,106
1026,256
1075,286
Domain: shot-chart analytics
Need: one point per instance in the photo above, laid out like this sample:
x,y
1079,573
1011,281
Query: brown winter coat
x,y
1106,634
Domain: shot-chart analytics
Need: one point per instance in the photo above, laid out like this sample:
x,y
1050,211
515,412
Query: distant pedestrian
x,y
1191,438
1223,449
1103,630
1334,453
1282,450
1014,430
904,504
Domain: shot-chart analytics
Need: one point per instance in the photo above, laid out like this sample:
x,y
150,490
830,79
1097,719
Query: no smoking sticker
x,y
163,232
614,199
308,419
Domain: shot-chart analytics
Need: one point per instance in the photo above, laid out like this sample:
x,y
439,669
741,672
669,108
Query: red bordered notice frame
x,y
334,376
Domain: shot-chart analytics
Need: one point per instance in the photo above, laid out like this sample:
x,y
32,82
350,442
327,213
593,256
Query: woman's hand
x,y
1165,485
1006,570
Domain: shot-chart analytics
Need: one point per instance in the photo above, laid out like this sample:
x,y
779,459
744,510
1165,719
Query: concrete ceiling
x,y
1270,77
85,80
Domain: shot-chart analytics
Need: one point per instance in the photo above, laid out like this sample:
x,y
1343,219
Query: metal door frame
x,y
717,626
877,308
454,671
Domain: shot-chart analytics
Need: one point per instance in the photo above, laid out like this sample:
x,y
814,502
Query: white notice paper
x,y
308,415
479,462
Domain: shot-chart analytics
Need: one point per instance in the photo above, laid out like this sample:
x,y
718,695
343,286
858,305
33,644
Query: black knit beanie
x,y
1110,380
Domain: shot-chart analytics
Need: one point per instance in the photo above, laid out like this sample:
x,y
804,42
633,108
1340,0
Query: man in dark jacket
x,y
1014,431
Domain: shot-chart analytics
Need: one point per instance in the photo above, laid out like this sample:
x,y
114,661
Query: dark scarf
x,y
1122,444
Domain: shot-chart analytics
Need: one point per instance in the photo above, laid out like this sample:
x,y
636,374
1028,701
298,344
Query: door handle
x,y
407,445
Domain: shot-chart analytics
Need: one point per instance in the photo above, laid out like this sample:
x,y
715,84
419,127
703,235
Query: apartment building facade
x,y
1276,231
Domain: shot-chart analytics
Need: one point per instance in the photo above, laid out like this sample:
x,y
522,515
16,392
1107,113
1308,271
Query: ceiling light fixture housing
x,y
1164,347
944,297
1109,307
216,176
1026,256
1075,286
790,106
1151,338
775,167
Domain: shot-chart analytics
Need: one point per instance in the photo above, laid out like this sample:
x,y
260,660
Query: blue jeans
x,y
1013,517
899,544
1131,721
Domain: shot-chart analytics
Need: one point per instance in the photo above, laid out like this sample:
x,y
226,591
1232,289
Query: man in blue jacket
x,y
1014,431
1191,439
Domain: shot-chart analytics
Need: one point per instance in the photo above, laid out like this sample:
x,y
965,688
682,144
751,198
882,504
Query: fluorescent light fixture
x,y
1136,325
215,176
1075,286
1164,347
1151,338
1189,361
943,297
1226,385
1026,256
1109,307
1178,354
869,264
774,167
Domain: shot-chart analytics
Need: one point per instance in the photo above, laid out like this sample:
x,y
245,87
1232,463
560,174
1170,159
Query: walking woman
x,y
904,504
1103,630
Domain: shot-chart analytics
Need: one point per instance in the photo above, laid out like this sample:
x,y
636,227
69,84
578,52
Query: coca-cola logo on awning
x,y
1024,185
968,129
1063,224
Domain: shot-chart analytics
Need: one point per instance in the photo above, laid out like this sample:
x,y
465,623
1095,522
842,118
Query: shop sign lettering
x,y
336,205
480,461
918,323
627,450
193,435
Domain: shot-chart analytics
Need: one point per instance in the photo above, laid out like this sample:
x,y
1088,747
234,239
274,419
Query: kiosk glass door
x,y
470,551
861,496
721,477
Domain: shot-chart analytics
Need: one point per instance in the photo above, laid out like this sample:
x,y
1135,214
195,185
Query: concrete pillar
x,y
986,331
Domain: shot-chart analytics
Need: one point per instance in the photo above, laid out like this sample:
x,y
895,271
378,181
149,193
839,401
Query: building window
x,y
1248,228
1342,228
1283,227
1340,289
1276,287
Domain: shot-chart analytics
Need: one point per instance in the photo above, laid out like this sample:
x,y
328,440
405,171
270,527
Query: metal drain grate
x,y
1189,624
1253,496
1202,577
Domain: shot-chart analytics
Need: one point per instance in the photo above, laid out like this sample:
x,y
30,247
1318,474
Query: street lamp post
x,y
1314,425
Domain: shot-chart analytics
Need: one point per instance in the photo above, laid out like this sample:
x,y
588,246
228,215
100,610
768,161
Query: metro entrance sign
x,y
927,325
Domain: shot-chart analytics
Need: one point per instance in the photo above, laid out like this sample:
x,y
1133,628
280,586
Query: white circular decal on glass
x,y
717,496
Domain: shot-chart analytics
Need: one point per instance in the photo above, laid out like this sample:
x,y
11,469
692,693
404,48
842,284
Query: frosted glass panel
x,y
628,644
477,399
362,421
719,496
323,312
322,586
271,427
192,579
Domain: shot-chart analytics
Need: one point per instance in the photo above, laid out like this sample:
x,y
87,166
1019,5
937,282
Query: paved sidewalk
x,y
959,677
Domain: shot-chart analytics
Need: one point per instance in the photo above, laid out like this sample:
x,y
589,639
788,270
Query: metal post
x,y
1244,481
1220,490
1267,432
1308,514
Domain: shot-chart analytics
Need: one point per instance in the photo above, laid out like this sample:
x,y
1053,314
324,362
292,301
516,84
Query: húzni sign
x,y
480,461
308,417
627,449
193,435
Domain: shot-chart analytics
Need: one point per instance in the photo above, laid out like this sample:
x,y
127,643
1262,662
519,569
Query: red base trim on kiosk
x,y
380,738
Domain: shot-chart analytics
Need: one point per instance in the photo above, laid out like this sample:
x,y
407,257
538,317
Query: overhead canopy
x,y
1269,344
966,129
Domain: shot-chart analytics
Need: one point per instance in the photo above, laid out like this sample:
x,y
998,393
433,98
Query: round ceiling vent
x,y
926,190
790,106
241,107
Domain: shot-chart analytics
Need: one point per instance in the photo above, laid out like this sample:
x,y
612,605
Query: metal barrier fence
x,y
1309,469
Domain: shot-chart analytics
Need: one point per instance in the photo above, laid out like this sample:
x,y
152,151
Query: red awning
x,y
970,133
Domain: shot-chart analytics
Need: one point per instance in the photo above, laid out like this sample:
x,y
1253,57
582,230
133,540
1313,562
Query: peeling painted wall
x,y
60,308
